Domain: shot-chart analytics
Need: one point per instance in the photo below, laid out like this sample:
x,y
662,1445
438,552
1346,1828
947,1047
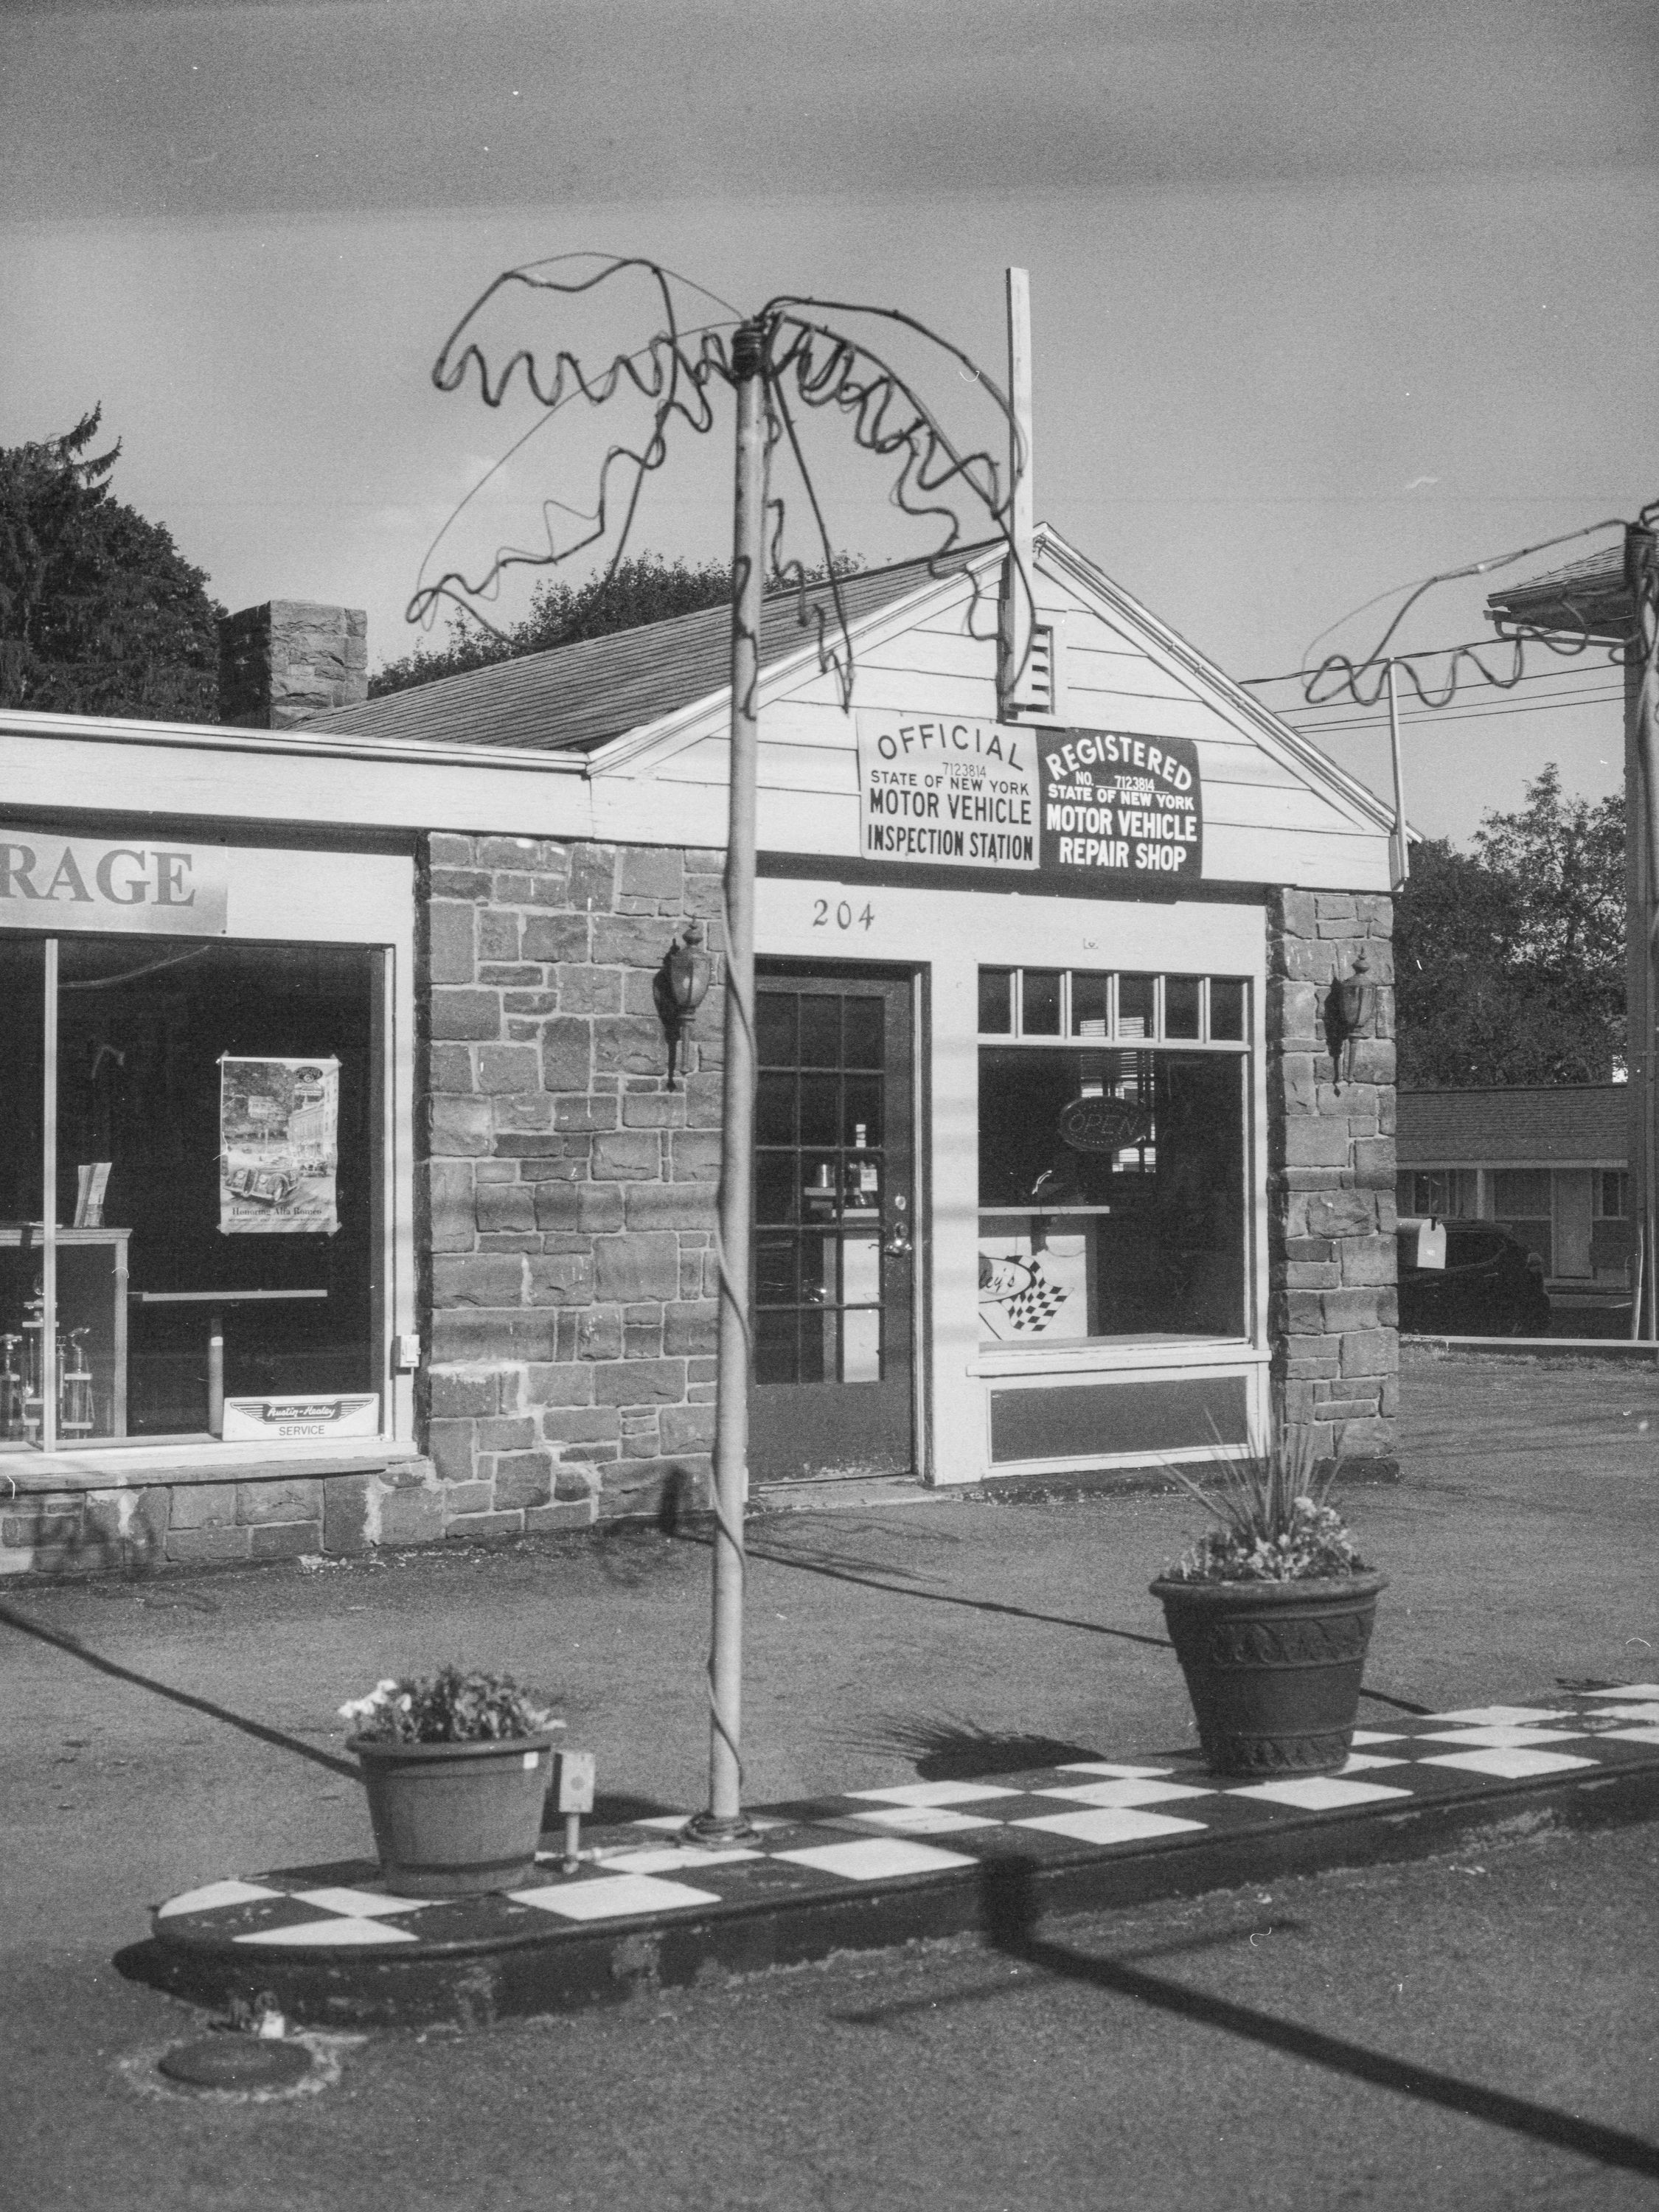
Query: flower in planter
x,y
1275,1525
448,1707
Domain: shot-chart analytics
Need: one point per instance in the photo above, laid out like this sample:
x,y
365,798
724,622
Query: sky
x,y
1328,295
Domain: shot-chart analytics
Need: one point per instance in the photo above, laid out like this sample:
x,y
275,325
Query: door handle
x,y
898,1246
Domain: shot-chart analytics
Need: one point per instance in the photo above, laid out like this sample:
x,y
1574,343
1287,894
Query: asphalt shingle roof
x,y
1591,595
1563,1122
573,697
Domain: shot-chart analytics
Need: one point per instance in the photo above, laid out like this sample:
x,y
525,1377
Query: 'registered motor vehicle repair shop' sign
x,y
1104,805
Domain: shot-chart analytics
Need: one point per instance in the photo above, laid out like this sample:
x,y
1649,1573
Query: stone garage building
x,y
1071,1150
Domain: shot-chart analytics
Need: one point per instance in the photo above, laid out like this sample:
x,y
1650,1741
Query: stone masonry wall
x,y
1332,1255
216,1518
565,1208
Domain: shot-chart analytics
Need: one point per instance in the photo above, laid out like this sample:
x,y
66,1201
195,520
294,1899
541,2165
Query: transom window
x,y
1112,1003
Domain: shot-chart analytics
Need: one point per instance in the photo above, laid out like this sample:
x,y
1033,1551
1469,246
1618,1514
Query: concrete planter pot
x,y
1274,1669
453,1820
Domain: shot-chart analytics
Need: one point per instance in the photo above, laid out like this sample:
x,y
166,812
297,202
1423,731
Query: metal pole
x,y
1635,1285
1647,709
215,1378
1018,616
48,1215
1642,747
725,1814
1638,1002
1402,858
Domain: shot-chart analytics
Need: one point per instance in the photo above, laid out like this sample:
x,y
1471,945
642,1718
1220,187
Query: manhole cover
x,y
236,2062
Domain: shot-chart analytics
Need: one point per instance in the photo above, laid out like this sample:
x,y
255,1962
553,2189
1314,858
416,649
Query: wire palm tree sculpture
x,y
793,356
809,361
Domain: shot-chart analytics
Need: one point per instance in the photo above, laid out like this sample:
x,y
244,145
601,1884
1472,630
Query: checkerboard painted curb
x,y
880,1867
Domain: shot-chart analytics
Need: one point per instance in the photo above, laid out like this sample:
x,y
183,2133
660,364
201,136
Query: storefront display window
x,y
210,1179
1112,1186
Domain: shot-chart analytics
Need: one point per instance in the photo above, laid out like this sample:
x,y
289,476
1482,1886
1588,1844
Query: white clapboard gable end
x,y
1276,809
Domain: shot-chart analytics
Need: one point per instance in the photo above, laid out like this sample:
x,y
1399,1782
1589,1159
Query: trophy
x,y
74,1417
11,1390
34,1404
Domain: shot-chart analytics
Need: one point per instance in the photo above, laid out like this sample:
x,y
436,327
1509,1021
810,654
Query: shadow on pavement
x,y
826,1564
1010,1924
149,1965
958,1751
897,1583
258,1730
614,1809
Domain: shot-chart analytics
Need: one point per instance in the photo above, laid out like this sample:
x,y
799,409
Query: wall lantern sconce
x,y
1350,1012
679,987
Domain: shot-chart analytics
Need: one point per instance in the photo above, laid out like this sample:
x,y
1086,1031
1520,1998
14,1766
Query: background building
x,y
1547,1165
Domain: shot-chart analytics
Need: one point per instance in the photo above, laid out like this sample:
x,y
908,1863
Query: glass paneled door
x,y
835,1227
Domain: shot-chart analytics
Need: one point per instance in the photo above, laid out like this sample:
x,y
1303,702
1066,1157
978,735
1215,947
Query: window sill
x,y
1118,1353
141,1466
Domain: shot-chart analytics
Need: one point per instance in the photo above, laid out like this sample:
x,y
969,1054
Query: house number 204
x,y
842,916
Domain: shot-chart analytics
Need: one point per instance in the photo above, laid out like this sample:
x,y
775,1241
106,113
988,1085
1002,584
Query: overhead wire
x,y
1573,650
1569,682
1488,713
1536,696
1487,566
1362,682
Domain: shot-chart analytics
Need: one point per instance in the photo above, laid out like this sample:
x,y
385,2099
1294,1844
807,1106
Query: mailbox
x,y
1422,1242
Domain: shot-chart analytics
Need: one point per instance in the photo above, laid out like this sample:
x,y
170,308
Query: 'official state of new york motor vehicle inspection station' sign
x,y
1100,804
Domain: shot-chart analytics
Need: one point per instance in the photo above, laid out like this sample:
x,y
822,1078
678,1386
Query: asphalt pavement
x,y
161,1734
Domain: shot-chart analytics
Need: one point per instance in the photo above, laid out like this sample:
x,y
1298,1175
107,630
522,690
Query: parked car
x,y
1491,1285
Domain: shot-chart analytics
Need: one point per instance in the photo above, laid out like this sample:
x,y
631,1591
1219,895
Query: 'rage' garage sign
x,y
1120,807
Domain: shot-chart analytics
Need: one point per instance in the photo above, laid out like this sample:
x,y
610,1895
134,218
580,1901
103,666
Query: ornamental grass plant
x,y
1274,1523
448,1707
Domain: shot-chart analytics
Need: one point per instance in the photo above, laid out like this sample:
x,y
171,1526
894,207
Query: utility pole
x,y
1642,915
723,1817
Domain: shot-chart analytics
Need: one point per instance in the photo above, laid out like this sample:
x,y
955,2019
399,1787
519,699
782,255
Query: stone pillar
x,y
1331,1253
283,663
568,1193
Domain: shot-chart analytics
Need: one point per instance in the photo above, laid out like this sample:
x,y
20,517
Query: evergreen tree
x,y
1509,961
100,613
645,588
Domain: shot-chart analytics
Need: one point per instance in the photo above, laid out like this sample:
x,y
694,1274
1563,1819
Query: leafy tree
x,y
645,588
1509,961
100,613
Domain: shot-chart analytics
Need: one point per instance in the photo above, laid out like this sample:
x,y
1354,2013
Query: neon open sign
x,y
1095,1123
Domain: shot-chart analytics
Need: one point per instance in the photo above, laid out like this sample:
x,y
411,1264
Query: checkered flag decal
x,y
1036,1306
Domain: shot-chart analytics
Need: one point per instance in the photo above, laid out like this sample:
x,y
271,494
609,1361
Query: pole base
x,y
719,1828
